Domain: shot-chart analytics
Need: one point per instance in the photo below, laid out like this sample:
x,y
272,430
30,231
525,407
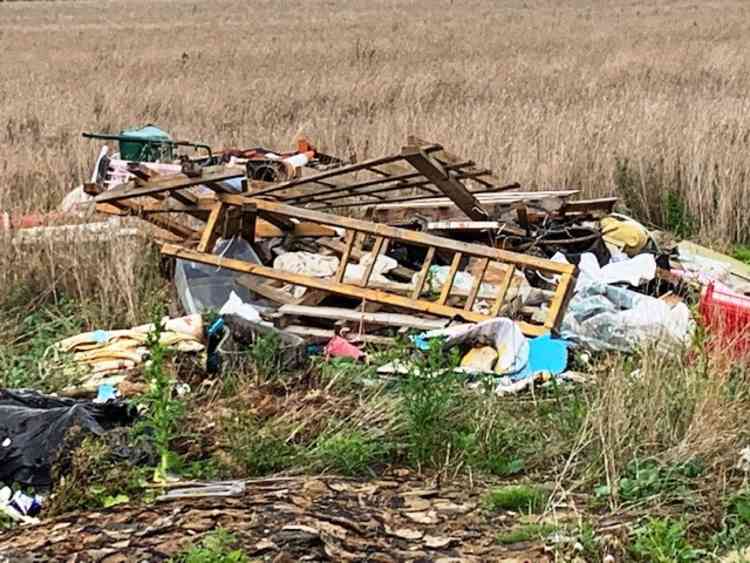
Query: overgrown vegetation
x,y
526,533
215,547
518,498
164,409
88,476
663,540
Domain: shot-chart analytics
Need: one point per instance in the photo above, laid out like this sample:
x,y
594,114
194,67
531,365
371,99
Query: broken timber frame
x,y
384,235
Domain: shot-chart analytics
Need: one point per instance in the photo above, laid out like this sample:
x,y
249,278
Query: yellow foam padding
x,y
630,236
480,359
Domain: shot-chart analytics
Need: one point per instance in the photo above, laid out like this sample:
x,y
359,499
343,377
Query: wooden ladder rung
x,y
422,276
350,236
448,285
483,263
381,245
504,286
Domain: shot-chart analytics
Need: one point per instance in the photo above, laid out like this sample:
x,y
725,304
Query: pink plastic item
x,y
727,315
338,347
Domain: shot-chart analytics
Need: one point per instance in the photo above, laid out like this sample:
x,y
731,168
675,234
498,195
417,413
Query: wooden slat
x,y
504,286
451,187
169,225
385,319
404,235
484,262
377,248
348,290
209,235
169,183
448,285
265,289
350,236
422,277
564,286
339,247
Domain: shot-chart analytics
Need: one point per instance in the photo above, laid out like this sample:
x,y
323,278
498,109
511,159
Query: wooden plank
x,y
169,183
380,243
339,247
264,289
484,262
510,272
340,171
422,278
562,294
350,236
335,287
325,334
169,225
451,187
249,222
264,229
349,315
603,204
448,285
209,235
404,235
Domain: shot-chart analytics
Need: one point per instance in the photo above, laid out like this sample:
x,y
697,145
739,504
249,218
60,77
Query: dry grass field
x,y
647,100
644,100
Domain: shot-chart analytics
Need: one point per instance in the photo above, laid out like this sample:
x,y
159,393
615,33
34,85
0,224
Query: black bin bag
x,y
33,427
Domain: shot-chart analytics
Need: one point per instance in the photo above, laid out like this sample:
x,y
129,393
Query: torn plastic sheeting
x,y
201,287
33,427
502,334
606,317
306,263
633,271
235,306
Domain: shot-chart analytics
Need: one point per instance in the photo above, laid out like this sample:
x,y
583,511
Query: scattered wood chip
x,y
404,533
437,542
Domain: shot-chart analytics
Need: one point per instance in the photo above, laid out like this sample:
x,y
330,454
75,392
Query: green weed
x,y
742,253
349,452
90,477
163,409
735,526
344,373
433,403
258,448
265,355
589,541
677,217
663,540
215,547
518,498
647,479
26,340
526,533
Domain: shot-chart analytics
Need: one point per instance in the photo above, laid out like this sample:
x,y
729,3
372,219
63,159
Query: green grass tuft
x,y
518,498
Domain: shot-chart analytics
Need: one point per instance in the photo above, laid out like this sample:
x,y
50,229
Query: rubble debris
x,y
294,518
105,352
33,427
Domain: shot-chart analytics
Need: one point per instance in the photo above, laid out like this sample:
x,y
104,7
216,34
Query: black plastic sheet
x,y
33,427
